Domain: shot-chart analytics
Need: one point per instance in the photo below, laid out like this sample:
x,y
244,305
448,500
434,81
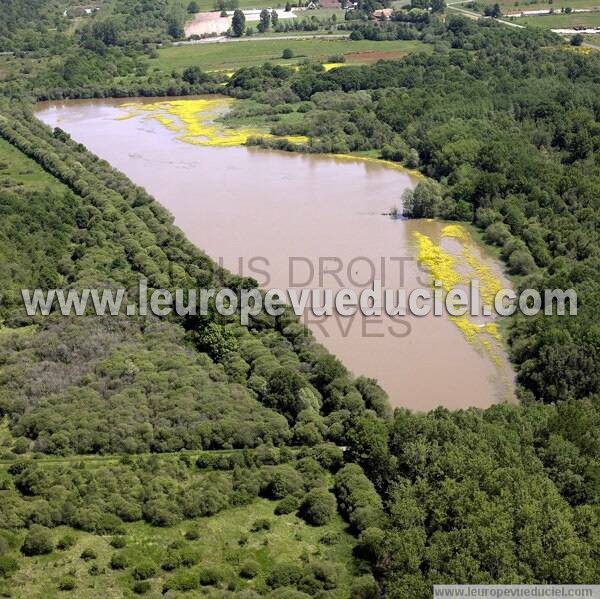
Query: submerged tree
x,y
423,201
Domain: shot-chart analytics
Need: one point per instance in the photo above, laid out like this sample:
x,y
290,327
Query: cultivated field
x,y
233,55
562,21
557,5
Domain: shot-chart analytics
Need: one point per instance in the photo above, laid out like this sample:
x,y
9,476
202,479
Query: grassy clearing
x,y
322,13
235,55
517,5
208,5
563,21
13,68
16,170
225,542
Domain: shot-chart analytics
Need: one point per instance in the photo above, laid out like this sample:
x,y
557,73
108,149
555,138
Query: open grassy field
x,y
515,6
563,21
519,5
18,170
224,544
235,55
206,5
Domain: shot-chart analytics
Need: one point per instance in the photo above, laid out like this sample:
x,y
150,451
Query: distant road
x,y
477,16
224,39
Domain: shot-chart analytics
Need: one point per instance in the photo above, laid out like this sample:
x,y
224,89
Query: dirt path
x,y
477,16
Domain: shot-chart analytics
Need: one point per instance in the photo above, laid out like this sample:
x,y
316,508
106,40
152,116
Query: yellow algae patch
x,y
491,328
381,161
296,139
457,232
197,121
333,65
489,283
443,267
440,263
469,329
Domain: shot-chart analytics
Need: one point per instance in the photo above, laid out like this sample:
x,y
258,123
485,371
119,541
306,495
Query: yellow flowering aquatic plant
x,y
197,121
440,263
446,267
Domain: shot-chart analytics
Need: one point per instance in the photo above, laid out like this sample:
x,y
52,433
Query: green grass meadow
x,y
562,21
234,55
225,542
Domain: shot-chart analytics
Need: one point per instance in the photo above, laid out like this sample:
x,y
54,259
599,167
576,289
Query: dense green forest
x,y
199,457
510,129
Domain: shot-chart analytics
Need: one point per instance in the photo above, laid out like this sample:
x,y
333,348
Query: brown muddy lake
x,y
294,220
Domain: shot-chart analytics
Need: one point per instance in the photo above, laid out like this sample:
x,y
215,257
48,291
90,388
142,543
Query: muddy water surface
x,y
306,221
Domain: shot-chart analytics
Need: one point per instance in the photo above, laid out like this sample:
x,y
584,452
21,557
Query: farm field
x,y
235,55
207,5
562,21
516,5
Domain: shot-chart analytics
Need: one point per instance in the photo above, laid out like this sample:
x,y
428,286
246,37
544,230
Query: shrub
x,y
284,481
141,587
66,542
577,40
358,500
37,542
521,262
497,233
329,456
364,587
144,570
118,561
249,569
261,524
88,554
192,534
160,513
330,538
284,575
211,575
287,505
188,557
185,580
21,446
193,75
67,583
319,576
287,53
8,566
118,542
170,563
94,570
318,507
288,594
